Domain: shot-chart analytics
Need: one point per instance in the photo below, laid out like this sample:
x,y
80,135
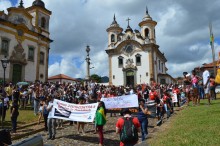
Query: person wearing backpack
x,y
128,128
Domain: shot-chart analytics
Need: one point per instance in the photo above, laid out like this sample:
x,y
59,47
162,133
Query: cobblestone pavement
x,y
67,136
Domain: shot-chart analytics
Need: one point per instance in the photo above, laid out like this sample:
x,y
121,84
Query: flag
x,y
100,118
211,35
211,39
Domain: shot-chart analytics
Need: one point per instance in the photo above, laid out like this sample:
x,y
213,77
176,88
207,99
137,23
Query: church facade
x,y
134,56
25,42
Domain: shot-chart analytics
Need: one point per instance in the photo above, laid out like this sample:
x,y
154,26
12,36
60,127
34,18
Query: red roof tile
x,y
62,76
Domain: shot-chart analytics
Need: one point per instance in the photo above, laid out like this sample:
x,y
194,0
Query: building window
x,y
159,64
5,47
138,60
113,76
43,22
112,38
146,32
162,67
41,57
120,61
162,81
31,54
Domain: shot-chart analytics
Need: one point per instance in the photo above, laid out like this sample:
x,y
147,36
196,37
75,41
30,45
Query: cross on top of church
x,y
128,20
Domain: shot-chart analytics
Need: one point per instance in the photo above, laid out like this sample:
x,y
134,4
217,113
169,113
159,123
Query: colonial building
x,y
134,56
61,78
25,41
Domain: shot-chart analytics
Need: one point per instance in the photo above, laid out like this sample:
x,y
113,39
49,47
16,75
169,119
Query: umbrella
x,y
22,83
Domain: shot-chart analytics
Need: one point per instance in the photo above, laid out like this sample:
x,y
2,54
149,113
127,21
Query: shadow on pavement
x,y
94,140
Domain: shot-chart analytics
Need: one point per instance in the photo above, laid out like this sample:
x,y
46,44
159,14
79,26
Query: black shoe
x,y
49,138
53,138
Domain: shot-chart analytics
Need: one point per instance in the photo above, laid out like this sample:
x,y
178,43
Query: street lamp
x,y
5,62
88,63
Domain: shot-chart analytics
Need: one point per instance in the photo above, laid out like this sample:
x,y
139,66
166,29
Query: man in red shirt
x,y
153,94
119,125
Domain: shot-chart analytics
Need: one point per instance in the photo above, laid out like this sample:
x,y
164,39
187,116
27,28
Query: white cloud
x,y
4,4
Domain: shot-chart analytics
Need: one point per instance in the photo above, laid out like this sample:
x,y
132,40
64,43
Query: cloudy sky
x,y
182,31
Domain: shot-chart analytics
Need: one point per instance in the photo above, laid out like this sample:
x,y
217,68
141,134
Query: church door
x,y
130,78
17,71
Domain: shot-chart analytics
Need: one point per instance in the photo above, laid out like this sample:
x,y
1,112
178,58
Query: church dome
x,y
114,23
38,3
147,17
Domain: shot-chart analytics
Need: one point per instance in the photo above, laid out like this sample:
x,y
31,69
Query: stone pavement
x,y
67,136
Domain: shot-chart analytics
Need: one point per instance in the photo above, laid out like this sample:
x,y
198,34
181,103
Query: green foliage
x,y
96,78
194,125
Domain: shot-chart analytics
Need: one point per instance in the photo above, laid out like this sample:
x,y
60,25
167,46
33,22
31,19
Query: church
x,y
134,56
25,42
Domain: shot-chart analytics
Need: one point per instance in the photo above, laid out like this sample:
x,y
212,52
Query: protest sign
x,y
73,112
174,98
125,101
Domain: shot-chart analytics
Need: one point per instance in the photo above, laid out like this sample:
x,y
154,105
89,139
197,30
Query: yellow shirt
x,y
8,90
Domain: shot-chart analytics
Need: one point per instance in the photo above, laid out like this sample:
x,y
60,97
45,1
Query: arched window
x,y
43,22
146,32
112,38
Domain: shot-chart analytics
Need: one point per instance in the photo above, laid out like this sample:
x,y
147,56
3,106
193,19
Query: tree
x,y
96,78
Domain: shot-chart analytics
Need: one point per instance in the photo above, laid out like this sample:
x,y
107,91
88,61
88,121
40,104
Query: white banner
x,y
73,112
125,101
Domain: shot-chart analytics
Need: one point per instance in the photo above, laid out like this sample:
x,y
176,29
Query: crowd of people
x,y
40,98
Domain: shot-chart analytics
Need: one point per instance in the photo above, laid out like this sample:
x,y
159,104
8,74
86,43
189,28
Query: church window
x,y
154,34
41,57
146,32
138,59
31,54
43,22
113,76
112,38
159,64
162,81
162,67
120,61
5,47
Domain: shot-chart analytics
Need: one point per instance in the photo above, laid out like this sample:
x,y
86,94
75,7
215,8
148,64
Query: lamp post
x,y
5,62
88,63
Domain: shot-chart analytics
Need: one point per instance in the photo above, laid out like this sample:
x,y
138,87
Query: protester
x,y
212,87
100,120
40,113
14,115
176,94
130,124
9,90
206,83
81,124
24,96
45,113
6,106
51,122
187,85
36,96
142,117
195,85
